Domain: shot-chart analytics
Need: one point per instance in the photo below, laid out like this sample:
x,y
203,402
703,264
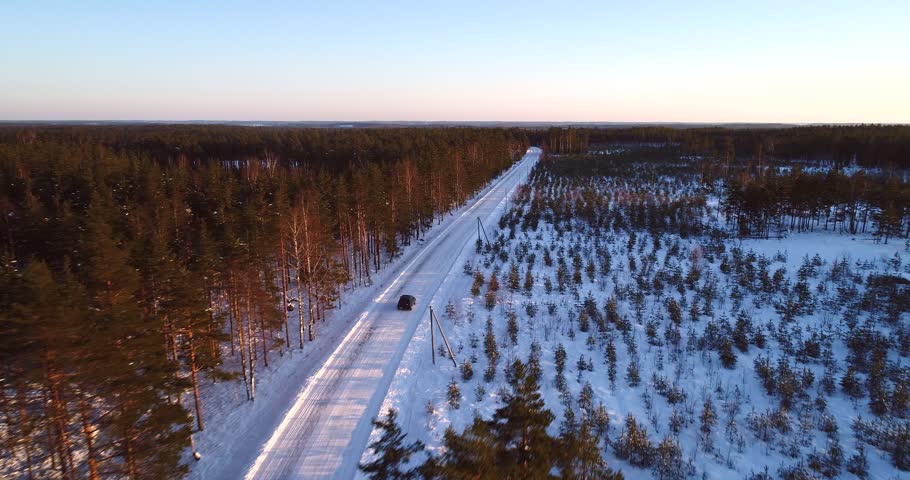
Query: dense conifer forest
x,y
137,260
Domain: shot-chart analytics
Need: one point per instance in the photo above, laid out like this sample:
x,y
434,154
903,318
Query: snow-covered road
x,y
326,429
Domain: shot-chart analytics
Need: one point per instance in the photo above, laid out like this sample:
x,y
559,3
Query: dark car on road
x,y
407,302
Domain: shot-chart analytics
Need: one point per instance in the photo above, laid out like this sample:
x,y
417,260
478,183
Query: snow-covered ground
x,y
691,370
311,417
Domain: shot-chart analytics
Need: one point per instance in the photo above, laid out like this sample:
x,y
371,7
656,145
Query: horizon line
x,y
353,123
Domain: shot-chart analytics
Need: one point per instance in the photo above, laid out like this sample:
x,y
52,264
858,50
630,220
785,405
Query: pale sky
x,y
647,61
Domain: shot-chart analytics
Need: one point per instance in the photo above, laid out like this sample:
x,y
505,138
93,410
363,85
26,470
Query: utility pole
x,y
481,229
435,318
432,337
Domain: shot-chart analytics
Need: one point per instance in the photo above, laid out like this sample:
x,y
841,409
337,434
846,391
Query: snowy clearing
x,y
799,305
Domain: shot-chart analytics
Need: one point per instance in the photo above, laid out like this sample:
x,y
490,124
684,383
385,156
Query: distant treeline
x,y
764,195
878,146
775,203
333,149
138,262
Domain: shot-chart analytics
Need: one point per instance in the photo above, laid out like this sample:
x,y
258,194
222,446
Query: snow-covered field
x,y
798,309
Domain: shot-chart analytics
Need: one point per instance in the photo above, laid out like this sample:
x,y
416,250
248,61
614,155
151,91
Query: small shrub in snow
x,y
584,323
829,463
454,394
851,385
763,475
514,278
478,282
633,444
591,343
741,332
708,419
726,354
559,355
569,424
512,327
611,363
586,400
534,369
491,351
633,377
676,422
467,371
493,285
798,471
858,464
668,461
674,311
600,422
529,281
479,392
